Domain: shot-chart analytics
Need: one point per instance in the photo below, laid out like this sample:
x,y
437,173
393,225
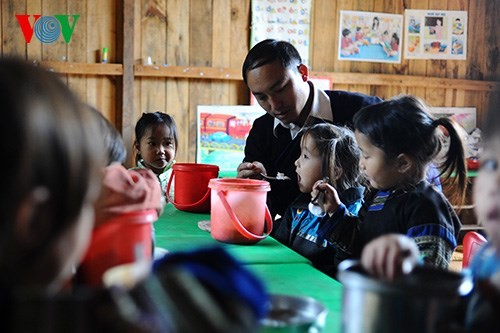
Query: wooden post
x,y
126,88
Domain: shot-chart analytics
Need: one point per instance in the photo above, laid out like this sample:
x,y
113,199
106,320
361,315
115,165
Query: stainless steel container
x,y
425,300
294,314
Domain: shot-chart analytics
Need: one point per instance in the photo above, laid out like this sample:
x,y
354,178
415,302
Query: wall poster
x,y
222,132
282,20
464,116
369,36
435,34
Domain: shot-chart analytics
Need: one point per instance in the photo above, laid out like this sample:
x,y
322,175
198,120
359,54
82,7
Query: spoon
x,y
279,176
316,204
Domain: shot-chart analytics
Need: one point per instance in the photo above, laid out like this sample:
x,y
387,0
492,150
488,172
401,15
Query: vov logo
x,y
47,29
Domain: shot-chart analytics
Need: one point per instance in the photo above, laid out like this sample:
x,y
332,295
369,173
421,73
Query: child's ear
x,y
304,71
31,222
404,163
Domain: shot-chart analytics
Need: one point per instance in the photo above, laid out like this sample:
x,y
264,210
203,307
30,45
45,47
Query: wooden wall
x,y
198,46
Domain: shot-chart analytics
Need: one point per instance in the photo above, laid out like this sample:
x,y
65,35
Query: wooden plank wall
x,y
94,29
215,33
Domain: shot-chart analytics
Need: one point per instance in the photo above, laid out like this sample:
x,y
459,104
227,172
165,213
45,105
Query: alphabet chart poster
x,y
282,20
435,34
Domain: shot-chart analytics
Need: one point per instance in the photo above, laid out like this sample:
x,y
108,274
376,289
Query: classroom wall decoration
x,y
370,36
464,116
435,34
222,132
282,20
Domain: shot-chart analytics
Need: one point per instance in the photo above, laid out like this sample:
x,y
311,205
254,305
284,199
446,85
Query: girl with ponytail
x,y
399,139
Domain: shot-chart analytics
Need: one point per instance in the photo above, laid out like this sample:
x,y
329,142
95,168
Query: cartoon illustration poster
x,y
465,116
222,132
283,20
435,34
370,36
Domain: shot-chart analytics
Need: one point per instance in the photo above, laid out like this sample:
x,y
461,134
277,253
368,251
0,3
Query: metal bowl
x,y
294,314
426,300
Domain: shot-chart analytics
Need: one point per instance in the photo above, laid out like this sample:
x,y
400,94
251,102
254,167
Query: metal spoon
x,y
316,204
279,176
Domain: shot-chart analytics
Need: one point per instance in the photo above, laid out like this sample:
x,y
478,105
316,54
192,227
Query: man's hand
x,y
251,170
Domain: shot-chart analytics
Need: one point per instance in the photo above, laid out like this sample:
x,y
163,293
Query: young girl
x,y
156,141
329,155
385,255
398,140
54,156
123,190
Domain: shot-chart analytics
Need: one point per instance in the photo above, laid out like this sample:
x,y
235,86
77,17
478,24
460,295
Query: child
x,y
484,304
123,190
156,141
347,46
398,140
392,48
360,37
55,154
113,142
327,151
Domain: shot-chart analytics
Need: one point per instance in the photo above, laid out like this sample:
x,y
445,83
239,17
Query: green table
x,y
304,280
177,231
282,270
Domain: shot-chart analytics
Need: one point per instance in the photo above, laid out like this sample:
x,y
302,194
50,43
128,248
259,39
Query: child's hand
x,y
251,170
331,200
390,255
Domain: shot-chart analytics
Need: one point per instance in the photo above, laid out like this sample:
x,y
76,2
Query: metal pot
x,y
425,300
294,314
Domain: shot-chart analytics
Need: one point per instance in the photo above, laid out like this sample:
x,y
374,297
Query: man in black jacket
x,y
274,73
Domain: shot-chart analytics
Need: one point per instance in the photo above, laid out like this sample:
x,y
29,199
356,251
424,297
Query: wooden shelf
x,y
83,68
211,73
408,81
220,73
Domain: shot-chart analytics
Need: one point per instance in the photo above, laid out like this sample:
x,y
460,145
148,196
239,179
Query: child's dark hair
x,y
340,154
403,125
150,119
268,51
50,141
346,32
396,37
113,141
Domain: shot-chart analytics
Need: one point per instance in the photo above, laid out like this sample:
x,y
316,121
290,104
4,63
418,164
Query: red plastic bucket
x,y
239,212
123,239
191,192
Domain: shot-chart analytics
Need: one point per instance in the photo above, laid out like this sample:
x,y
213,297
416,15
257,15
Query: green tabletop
x,y
176,230
304,280
282,270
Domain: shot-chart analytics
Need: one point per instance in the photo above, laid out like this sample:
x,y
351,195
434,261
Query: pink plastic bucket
x,y
239,212
123,239
191,192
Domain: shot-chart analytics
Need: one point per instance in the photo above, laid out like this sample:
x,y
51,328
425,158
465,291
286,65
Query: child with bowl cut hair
x,y
156,142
